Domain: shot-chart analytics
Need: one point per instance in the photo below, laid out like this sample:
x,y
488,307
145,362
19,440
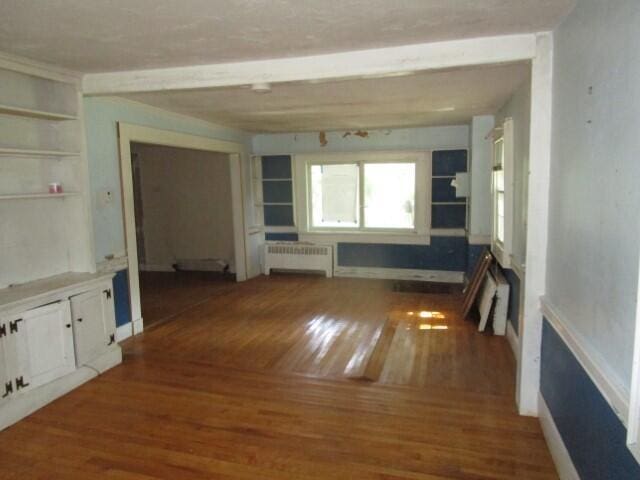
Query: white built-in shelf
x,y
18,196
28,112
36,153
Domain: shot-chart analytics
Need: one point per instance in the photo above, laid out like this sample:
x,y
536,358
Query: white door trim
x,y
136,133
530,328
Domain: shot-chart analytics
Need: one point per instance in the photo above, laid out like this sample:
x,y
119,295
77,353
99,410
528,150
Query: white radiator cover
x,y
298,256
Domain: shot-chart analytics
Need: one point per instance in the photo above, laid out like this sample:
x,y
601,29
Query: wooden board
x,y
471,292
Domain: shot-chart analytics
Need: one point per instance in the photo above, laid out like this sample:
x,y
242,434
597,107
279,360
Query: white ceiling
x,y
114,35
449,97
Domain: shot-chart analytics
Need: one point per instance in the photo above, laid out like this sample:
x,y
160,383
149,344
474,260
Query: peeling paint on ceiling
x,y
115,35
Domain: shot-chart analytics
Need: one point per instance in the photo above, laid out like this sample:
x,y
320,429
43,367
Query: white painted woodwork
x,y
501,306
528,381
43,350
42,141
93,324
44,342
238,161
335,66
5,373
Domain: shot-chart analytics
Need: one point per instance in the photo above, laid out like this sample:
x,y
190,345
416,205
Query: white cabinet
x,y
94,327
37,347
55,334
6,382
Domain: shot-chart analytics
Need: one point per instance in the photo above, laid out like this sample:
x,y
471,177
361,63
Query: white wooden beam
x,y
537,226
355,64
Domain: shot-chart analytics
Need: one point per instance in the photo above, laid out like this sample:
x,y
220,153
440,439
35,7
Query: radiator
x,y
298,256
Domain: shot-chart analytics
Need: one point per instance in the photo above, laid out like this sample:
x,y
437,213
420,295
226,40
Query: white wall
x,y
519,109
480,204
186,199
592,264
425,138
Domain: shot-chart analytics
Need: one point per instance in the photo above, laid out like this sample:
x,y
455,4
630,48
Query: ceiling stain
x,y
346,134
362,134
322,136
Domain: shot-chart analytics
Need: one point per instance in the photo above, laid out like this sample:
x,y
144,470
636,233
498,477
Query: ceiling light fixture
x,y
261,87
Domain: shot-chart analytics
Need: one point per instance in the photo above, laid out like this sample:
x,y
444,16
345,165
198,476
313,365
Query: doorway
x,y
184,227
235,155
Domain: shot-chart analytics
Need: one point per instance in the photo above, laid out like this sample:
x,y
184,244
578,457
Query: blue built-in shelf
x,y
277,190
447,210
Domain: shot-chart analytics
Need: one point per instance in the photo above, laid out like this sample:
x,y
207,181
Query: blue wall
x,y
514,298
277,189
445,165
121,298
444,253
473,255
593,435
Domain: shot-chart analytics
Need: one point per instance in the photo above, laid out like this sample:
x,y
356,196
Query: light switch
x,y
105,197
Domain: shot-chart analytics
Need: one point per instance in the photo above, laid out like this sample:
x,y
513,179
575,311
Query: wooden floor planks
x,y
254,383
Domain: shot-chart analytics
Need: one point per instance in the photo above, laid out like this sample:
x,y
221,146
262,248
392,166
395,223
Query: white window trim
x,y
418,235
502,250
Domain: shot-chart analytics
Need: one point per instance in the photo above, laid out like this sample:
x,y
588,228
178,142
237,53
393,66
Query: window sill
x,y
502,257
406,238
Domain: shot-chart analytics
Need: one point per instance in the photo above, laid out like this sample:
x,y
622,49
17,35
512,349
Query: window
x,y
498,181
364,193
502,189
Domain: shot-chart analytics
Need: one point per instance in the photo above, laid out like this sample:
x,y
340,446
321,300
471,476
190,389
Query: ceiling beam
x,y
355,64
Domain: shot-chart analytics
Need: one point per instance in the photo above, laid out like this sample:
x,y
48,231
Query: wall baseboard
x,y
611,390
559,452
156,268
138,326
514,341
124,331
400,274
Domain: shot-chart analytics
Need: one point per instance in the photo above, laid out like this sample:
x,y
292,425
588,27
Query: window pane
x,y
500,217
499,180
498,153
389,195
334,195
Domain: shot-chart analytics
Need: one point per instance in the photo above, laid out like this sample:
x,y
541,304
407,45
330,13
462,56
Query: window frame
x,y
422,200
502,249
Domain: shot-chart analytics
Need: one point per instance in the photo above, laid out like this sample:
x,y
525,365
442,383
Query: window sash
x,y
361,225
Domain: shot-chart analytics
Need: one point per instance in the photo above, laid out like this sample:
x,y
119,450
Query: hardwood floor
x,y
163,295
271,379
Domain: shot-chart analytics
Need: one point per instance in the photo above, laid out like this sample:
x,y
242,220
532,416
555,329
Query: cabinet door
x,y
47,351
6,381
16,354
93,323
39,346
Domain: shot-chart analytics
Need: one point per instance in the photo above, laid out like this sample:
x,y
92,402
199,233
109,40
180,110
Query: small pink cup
x,y
55,187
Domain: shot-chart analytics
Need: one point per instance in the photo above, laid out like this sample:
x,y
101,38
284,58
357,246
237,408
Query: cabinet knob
x,y
68,325
79,320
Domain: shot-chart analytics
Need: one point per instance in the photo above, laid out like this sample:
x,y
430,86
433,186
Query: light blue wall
x,y
101,117
593,243
423,138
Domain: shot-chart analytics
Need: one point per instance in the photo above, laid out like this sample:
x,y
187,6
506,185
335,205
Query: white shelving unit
x,y
41,142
